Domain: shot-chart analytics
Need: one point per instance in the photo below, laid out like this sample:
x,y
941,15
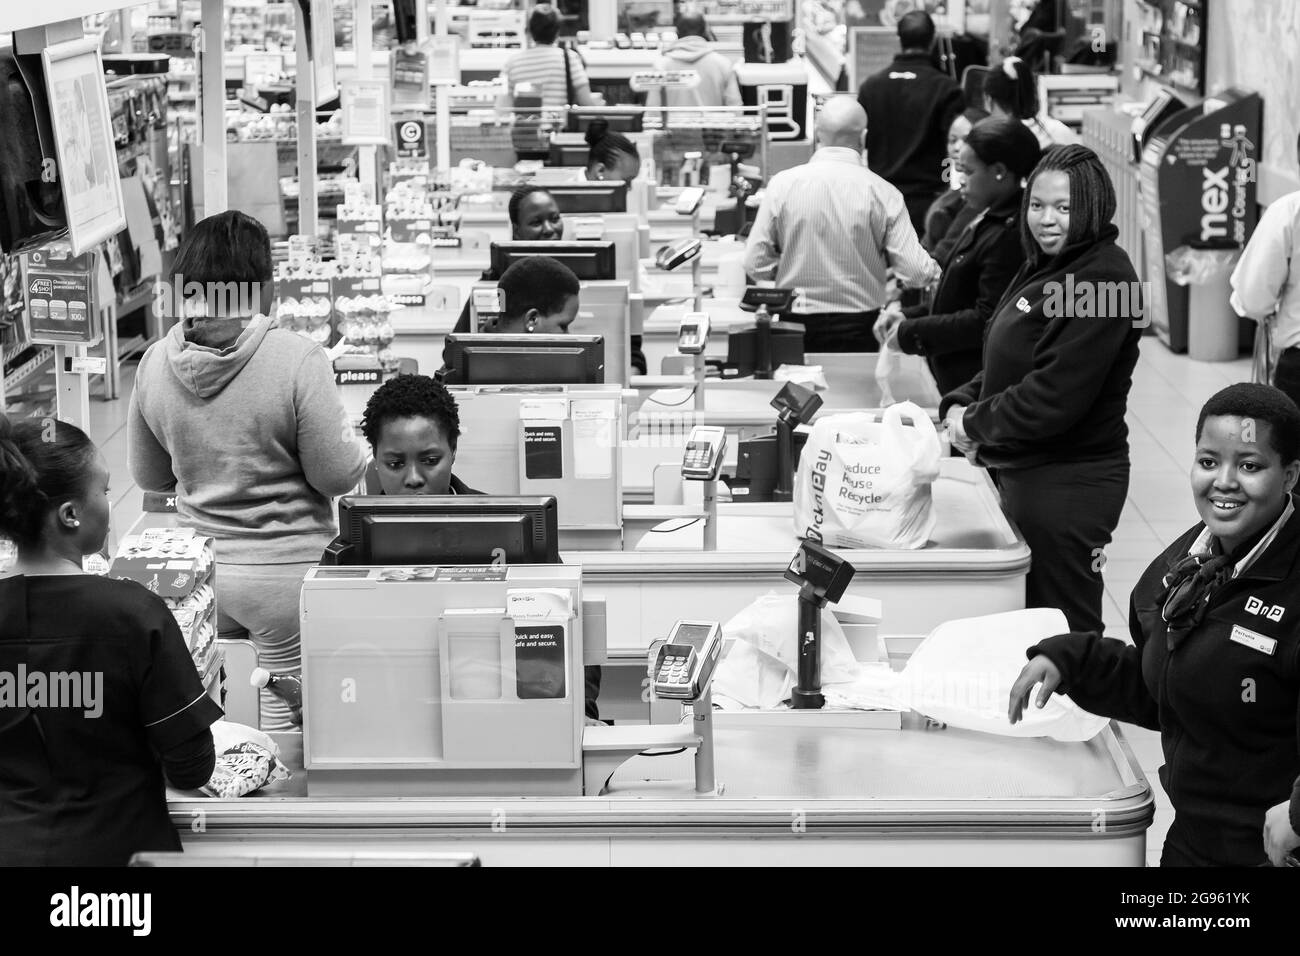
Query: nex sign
x,y
1214,203
1255,606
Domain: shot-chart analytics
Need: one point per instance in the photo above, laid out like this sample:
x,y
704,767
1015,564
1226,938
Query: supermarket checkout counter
x,y
922,795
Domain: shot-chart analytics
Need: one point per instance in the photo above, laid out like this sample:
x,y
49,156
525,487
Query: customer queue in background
x,y
1046,412
981,259
692,51
1217,678
833,229
1011,89
555,72
1266,284
244,423
950,213
910,106
81,779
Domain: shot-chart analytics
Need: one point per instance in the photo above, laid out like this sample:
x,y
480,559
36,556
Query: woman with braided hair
x,y
1046,413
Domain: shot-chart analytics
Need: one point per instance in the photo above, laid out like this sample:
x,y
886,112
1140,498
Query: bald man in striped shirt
x,y
834,229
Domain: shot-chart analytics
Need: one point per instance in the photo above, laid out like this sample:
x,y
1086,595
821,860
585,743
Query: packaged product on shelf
x,y
304,286
180,567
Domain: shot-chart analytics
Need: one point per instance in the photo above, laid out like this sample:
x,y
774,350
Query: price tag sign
x,y
444,60
59,297
410,77
409,230
88,364
646,80
365,112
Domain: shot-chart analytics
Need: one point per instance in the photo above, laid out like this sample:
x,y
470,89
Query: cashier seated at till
x,y
534,217
412,424
540,296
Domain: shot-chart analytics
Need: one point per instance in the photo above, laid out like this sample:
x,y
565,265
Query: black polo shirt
x,y
95,683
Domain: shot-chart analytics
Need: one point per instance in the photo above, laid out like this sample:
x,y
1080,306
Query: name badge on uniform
x,y
1256,642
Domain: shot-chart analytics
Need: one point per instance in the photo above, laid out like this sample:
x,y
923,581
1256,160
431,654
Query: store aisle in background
x,y
1168,392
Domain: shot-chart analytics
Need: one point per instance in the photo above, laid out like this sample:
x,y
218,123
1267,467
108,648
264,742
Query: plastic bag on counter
x,y
863,483
1189,265
247,760
904,377
963,671
761,666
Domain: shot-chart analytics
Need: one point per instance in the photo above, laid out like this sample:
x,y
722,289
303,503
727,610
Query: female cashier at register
x,y
82,760
1046,413
412,424
534,217
1215,663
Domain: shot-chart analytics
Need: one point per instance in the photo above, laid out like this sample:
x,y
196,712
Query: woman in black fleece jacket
x,y
1215,659
981,259
1046,414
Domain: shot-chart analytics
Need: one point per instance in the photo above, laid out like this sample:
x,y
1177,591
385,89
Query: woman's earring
x,y
76,523
999,177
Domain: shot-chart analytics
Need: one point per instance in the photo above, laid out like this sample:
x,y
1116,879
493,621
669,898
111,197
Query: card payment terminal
x,y
685,663
704,451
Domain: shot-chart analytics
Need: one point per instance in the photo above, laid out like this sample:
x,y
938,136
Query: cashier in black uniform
x,y
413,424
996,157
99,696
1215,663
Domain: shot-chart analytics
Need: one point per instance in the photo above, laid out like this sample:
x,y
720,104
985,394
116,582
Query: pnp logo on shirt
x,y
1273,612
1022,304
909,75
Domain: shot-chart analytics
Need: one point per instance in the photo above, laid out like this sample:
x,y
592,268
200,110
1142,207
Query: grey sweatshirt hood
x,y
688,49
205,371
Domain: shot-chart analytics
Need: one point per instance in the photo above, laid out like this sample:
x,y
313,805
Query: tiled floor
x,y
1168,391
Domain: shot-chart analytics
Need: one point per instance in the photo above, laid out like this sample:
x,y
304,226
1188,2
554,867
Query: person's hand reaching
x,y
1039,670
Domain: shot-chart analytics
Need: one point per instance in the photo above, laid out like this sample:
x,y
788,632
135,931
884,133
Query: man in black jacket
x,y
910,105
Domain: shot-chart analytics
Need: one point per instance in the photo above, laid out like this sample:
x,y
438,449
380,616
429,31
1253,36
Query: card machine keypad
x,y
685,663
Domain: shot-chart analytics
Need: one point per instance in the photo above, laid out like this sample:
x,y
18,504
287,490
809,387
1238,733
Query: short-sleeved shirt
x,y
81,783
543,66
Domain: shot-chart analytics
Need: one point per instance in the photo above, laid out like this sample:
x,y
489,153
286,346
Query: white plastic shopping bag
x,y
863,483
905,378
963,672
762,662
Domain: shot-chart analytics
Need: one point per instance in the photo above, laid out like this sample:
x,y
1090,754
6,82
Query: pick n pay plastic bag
x,y
903,377
863,483
761,667
962,675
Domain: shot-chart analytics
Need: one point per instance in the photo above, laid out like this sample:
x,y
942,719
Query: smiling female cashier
x,y
109,697
1215,663
412,424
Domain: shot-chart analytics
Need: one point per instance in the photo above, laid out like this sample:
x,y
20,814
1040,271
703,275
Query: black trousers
x,y
1067,513
1287,374
838,331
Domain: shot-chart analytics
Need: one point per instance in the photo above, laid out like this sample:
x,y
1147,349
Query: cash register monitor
x,y
601,195
743,347
445,530
588,260
485,359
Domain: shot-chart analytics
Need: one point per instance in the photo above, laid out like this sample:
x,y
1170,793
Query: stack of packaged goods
x,y
417,221
365,334
180,567
305,288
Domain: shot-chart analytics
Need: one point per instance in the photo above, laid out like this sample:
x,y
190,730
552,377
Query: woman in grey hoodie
x,y
243,421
